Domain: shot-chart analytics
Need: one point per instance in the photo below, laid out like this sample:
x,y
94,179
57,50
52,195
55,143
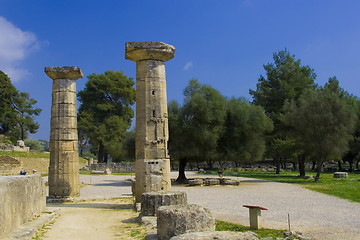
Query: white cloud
x,y
15,46
188,65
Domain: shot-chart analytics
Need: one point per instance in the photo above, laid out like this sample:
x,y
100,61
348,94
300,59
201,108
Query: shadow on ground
x,y
91,205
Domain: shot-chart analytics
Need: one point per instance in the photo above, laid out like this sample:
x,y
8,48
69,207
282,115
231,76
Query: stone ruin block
x,y
196,182
341,175
231,182
179,219
151,201
211,181
221,235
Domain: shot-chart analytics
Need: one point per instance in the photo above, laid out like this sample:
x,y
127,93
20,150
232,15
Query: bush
x,y
34,145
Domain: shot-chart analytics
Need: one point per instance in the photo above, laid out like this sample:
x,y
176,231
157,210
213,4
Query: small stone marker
x,y
341,175
255,216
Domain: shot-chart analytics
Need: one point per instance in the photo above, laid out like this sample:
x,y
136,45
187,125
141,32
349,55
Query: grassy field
x,y
262,233
343,188
33,155
26,154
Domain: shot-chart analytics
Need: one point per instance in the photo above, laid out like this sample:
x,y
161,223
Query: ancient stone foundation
x,y
64,163
10,166
152,166
223,235
341,175
179,219
21,198
151,201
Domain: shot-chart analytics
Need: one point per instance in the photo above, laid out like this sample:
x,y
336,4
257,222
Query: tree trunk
x,y
277,164
101,152
357,164
105,156
301,160
210,164
220,163
283,163
350,165
294,165
313,165
22,132
318,170
340,166
182,164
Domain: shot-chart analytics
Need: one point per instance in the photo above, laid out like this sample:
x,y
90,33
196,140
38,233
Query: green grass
x,y
342,188
34,155
122,174
262,233
26,154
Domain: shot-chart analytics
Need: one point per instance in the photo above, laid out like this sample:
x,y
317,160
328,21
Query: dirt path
x,y
98,219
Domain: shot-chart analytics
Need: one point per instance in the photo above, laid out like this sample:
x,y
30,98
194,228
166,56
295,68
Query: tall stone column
x,y
64,161
152,166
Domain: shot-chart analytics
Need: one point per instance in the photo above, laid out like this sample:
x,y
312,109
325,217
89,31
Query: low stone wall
x,y
120,167
10,166
22,198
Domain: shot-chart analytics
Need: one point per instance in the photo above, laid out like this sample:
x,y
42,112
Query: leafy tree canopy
x,y
322,124
105,112
245,129
17,117
286,79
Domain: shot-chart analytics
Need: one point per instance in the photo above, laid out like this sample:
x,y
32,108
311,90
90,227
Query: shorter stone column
x,y
179,219
64,162
151,201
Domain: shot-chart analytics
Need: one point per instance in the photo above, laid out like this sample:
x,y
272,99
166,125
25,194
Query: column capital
x,y
71,73
137,51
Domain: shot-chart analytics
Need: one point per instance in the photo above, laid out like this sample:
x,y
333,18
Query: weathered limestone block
x,y
196,182
64,165
225,181
179,219
223,235
21,198
211,181
151,201
152,176
67,73
341,175
136,51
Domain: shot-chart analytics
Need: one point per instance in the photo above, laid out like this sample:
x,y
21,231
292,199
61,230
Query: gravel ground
x,y
316,215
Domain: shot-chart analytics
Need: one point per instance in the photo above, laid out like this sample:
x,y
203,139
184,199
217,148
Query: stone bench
x,y
341,175
179,219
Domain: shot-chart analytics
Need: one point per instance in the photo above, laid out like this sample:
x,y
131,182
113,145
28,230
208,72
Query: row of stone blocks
x,y
177,220
212,181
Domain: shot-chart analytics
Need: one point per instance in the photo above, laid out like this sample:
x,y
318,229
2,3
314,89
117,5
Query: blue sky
x,y
223,43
